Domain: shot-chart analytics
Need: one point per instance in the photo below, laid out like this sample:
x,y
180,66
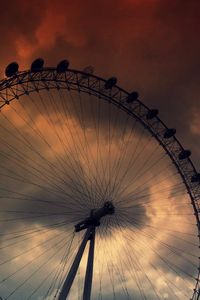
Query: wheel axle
x,y
95,216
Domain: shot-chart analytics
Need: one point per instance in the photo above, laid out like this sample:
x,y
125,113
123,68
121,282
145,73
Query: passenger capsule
x,y
37,65
88,70
195,178
152,114
11,69
62,66
132,97
184,154
110,83
169,133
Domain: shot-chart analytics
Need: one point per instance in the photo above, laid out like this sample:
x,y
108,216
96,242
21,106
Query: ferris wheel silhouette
x,y
99,199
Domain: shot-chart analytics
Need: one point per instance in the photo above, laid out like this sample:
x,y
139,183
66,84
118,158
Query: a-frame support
x,y
89,223
89,236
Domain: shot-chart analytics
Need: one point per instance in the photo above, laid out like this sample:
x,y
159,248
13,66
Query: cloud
x,y
62,164
152,46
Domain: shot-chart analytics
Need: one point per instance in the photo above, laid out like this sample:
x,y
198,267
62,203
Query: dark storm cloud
x,y
152,46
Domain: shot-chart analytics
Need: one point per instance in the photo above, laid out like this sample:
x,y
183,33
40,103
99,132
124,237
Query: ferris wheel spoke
x,y
88,152
37,270
100,165
41,187
99,160
109,139
89,157
80,149
21,241
131,179
24,198
116,269
152,203
143,201
136,261
119,269
127,218
130,266
53,127
39,135
59,276
154,178
110,132
75,161
176,188
175,250
146,248
137,177
166,280
50,164
123,151
12,235
16,176
112,269
41,283
24,143
19,160
159,157
56,192
101,246
127,201
54,175
69,155
63,215
67,268
173,266
133,156
168,232
60,241
83,150
146,184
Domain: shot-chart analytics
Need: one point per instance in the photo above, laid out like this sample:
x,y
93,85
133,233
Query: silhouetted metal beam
x,y
74,268
89,271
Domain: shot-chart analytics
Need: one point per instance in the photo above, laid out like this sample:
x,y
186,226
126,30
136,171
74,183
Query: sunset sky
x,y
151,46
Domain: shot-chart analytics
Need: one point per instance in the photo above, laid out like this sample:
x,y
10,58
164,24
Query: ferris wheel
x,y
99,200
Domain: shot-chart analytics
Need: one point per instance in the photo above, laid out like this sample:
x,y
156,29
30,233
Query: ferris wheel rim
x,y
91,84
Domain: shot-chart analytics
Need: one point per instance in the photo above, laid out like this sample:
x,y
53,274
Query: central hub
x,y
95,216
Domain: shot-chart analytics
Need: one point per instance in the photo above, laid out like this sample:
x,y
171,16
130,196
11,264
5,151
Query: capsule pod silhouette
x,y
62,66
37,64
88,70
195,178
110,83
184,154
11,69
152,113
169,133
132,97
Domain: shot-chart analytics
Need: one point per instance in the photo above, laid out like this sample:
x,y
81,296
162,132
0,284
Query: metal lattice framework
x,y
26,82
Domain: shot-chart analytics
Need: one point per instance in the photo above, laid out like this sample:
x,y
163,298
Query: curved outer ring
x,y
28,81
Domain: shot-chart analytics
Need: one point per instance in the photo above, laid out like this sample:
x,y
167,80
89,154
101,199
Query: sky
x,y
151,46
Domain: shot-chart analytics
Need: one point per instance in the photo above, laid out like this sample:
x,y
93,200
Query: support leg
x,y
89,271
72,273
